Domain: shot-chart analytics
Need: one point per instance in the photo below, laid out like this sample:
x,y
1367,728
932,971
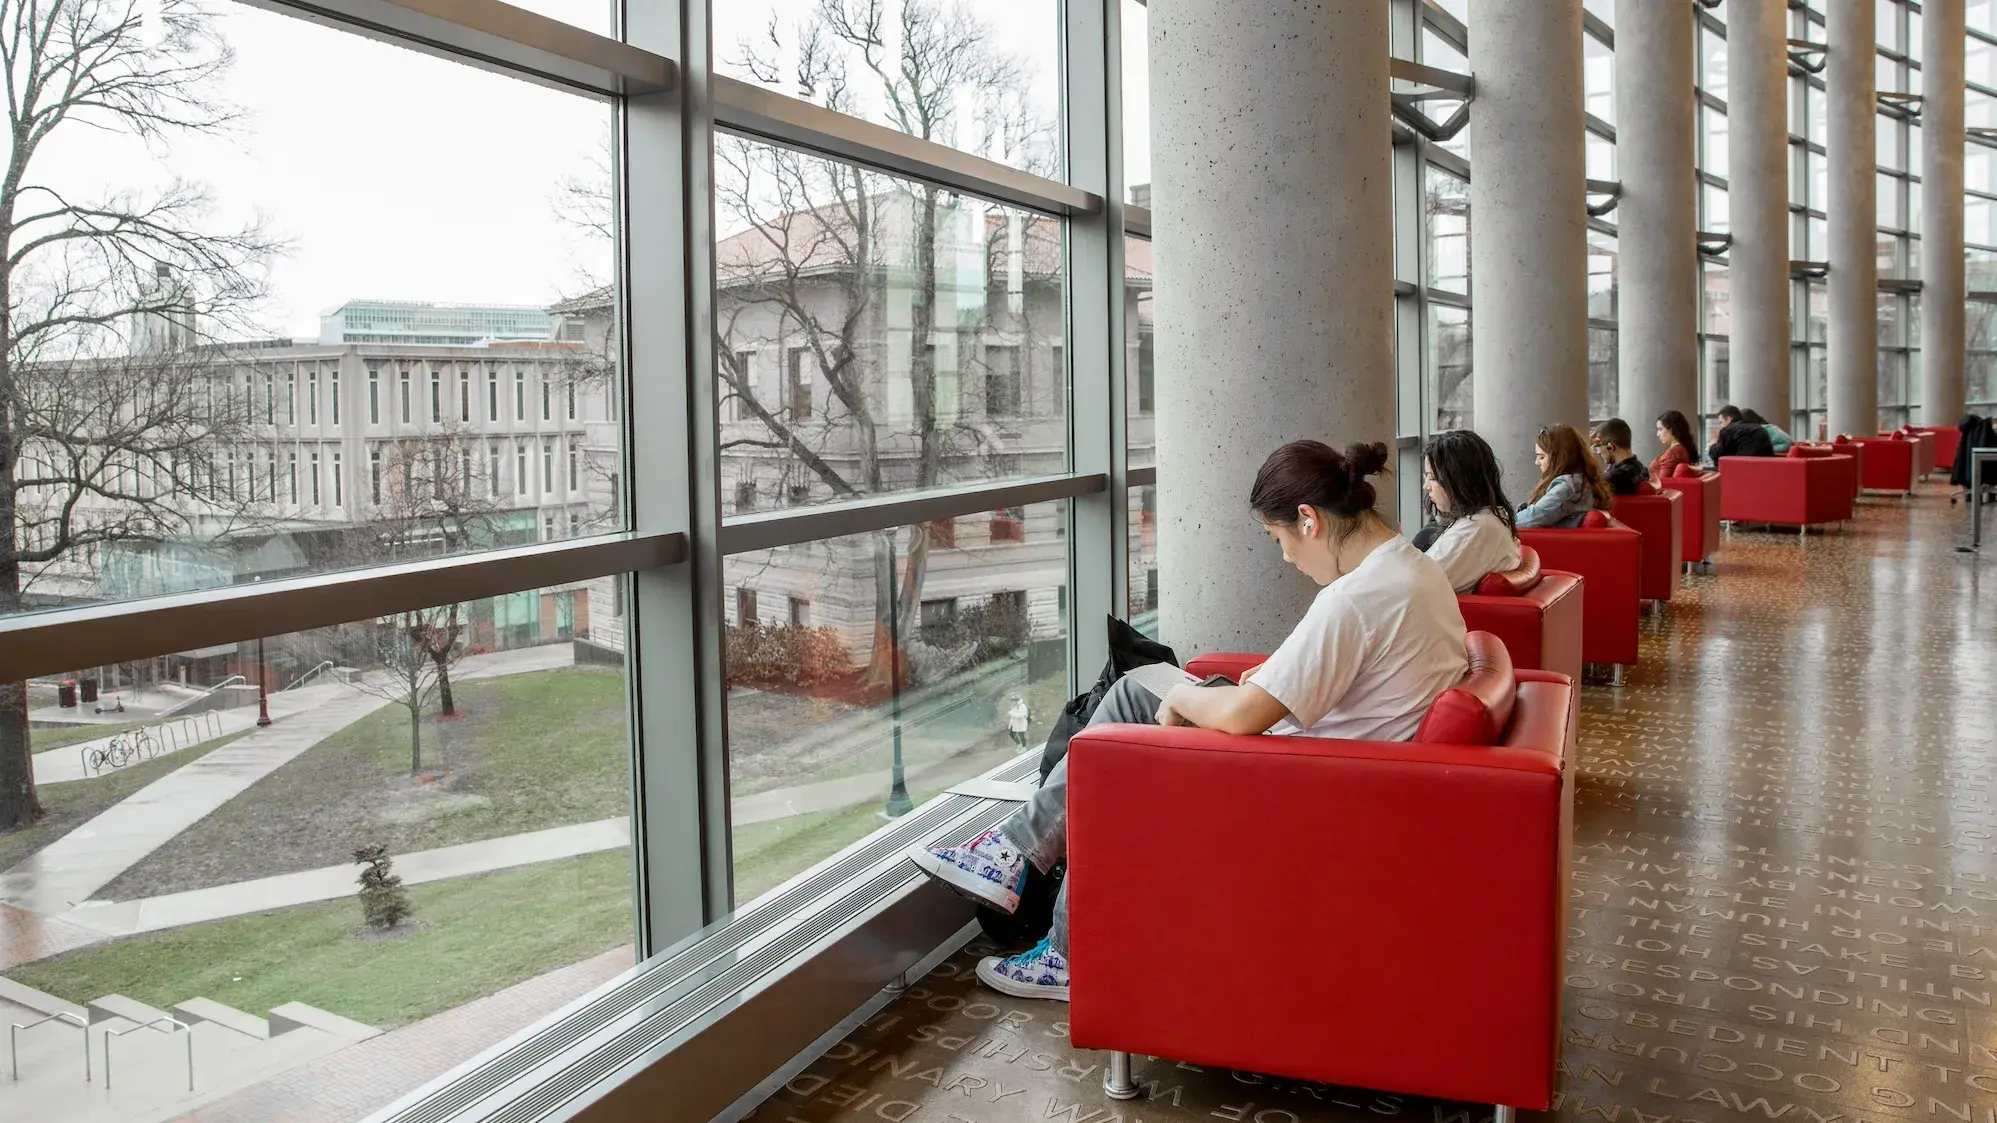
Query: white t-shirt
x,y
1474,546
1375,650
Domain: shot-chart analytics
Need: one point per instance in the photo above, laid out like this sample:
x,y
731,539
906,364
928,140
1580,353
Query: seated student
x,y
1460,474
1778,440
1739,437
1570,481
1381,642
1675,434
1612,443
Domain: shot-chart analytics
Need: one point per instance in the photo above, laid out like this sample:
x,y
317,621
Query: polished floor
x,y
1784,893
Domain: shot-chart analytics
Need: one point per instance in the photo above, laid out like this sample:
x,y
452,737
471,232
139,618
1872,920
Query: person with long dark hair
x,y
1779,439
1739,437
1570,481
1459,473
1381,641
1675,434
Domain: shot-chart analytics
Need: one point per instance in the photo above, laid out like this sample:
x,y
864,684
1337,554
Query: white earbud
x,y
1308,527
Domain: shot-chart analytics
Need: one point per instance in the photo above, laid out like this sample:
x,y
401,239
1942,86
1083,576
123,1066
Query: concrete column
x,y
1758,206
1528,228
1657,218
1942,284
1853,330
1274,217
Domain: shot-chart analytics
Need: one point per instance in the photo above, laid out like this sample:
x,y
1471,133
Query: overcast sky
x,y
397,175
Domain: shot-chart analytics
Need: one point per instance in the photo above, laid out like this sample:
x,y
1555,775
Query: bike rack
x,y
14,1042
178,1026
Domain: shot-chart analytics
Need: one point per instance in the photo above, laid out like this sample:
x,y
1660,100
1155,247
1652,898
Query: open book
x,y
1160,678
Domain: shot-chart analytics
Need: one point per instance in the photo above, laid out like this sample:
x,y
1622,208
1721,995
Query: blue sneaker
x,y
988,869
1040,972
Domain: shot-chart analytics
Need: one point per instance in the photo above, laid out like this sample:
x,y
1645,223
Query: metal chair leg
x,y
1617,674
1503,1114
1117,1082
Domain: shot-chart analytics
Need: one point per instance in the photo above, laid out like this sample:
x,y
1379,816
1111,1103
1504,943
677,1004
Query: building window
x,y
374,397
270,399
336,399
520,467
575,467
797,388
465,396
405,397
465,472
312,398
937,616
575,525
1059,377
548,528
292,467
436,397
547,399
616,495
745,496
800,612
800,494
745,370
1002,390
313,466
547,467
572,399
1147,381
1009,525
492,471
339,481
519,395
745,605
249,472
491,396
291,397
374,477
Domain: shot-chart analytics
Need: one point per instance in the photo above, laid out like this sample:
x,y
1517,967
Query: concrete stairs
x,y
147,1069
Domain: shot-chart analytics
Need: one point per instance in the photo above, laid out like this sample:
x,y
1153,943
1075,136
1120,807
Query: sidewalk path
x,y
63,765
172,910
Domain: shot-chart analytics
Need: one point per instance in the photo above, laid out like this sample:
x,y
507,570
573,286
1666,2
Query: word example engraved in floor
x,y
1784,893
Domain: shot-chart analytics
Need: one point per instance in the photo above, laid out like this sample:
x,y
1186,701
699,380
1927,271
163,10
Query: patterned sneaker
x,y
1040,972
988,869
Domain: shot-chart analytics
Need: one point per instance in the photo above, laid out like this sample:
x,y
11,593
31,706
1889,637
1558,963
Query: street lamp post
x,y
898,802
263,687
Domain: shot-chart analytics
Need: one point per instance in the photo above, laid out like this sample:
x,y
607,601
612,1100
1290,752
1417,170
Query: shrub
x,y
384,902
779,655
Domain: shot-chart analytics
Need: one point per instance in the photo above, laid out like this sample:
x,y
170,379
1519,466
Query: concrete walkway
x,y
68,871
64,765
240,898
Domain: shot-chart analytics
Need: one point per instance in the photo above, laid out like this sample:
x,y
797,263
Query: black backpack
x,y
1128,650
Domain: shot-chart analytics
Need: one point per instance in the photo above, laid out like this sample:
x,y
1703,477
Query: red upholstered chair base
x,y
1701,493
1785,490
1609,563
1337,876
1890,464
1660,519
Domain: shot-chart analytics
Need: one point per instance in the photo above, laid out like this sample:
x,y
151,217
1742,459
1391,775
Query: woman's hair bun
x,y
1365,458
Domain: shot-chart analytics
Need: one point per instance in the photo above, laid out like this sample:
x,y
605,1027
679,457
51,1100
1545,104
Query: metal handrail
x,y
301,680
232,680
154,1024
14,1042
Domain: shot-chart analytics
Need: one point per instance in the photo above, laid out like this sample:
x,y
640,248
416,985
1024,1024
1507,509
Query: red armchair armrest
x,y
1609,561
1701,538
1541,628
1322,887
1660,519
1230,665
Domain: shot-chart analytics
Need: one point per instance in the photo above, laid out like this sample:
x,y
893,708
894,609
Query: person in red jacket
x,y
1381,641
1675,434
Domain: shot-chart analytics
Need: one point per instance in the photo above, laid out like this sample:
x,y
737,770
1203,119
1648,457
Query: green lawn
x,y
473,936
535,750
68,806
42,740
768,854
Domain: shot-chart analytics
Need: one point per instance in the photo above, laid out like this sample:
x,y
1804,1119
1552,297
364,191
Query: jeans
x,y
1040,826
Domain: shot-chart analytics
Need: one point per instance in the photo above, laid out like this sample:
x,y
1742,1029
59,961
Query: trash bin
x,y
65,694
89,690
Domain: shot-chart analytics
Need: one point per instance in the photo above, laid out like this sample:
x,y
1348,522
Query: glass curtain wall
x,y
1980,207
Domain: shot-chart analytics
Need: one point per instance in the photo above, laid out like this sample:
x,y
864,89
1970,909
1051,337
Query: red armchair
x,y
1536,613
1608,557
1947,437
1798,491
1852,472
1701,493
1889,464
1925,447
1320,884
1660,517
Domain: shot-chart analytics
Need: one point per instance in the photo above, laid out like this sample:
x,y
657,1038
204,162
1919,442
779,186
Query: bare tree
x,y
808,273
407,671
76,273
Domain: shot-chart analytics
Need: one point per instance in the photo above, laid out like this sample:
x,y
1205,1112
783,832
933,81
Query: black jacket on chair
x,y
1742,438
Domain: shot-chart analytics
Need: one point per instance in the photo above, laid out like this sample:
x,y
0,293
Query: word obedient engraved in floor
x,y
1784,901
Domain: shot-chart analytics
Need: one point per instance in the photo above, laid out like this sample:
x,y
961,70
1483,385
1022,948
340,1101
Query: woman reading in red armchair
x,y
1381,641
